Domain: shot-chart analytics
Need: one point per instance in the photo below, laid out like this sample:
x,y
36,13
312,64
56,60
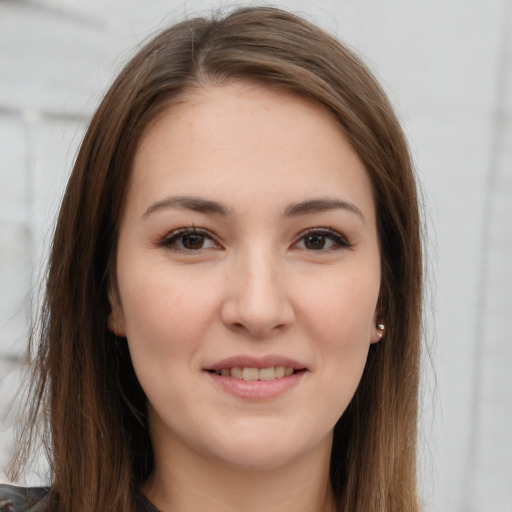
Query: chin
x,y
265,451
255,459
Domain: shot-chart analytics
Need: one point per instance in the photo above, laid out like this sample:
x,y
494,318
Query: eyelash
x,y
170,241
338,240
174,237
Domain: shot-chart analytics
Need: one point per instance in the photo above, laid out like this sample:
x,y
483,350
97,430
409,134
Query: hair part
x,y
84,383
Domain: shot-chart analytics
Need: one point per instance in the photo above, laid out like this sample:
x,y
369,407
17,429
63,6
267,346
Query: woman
x,y
234,291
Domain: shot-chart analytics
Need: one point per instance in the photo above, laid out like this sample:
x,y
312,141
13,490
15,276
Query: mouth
x,y
257,378
252,373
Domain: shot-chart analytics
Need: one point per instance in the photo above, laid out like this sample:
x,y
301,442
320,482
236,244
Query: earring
x,y
381,328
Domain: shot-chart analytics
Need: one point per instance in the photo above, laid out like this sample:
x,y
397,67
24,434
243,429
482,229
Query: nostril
x,y
257,316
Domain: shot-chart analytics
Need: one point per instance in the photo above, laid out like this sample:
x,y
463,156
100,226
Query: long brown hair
x,y
84,384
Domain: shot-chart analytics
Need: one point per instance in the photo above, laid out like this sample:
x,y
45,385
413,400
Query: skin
x,y
256,282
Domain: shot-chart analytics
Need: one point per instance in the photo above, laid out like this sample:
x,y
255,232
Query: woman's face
x,y
248,274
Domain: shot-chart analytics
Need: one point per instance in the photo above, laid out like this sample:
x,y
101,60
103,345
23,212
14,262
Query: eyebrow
x,y
322,205
196,204
201,205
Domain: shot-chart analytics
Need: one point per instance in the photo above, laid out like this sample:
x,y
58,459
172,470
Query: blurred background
x,y
447,66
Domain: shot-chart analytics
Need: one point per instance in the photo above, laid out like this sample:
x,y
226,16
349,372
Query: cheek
x,y
340,323
165,311
342,307
339,315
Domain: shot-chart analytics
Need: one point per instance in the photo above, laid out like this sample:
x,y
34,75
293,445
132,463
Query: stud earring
x,y
380,328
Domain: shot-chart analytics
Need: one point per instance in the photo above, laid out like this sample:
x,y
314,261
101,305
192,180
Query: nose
x,y
257,299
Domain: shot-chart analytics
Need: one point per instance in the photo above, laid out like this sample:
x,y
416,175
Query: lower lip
x,y
257,389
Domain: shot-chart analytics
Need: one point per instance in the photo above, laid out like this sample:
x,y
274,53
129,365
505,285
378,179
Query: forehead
x,y
242,138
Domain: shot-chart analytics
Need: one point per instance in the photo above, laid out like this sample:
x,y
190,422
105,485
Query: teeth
x,y
270,373
250,373
267,373
236,372
280,371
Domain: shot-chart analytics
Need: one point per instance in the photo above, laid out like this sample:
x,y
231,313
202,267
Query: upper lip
x,y
247,361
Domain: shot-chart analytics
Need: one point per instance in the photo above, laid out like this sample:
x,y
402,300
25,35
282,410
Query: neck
x,y
301,485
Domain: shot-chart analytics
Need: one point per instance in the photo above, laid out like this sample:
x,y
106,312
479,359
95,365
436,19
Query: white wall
x,y
447,65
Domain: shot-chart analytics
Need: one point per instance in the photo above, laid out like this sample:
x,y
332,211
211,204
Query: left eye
x,y
321,241
189,240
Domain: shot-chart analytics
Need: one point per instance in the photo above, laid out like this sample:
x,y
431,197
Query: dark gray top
x,y
22,499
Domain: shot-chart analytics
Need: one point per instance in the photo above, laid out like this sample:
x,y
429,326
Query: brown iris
x,y
193,241
314,242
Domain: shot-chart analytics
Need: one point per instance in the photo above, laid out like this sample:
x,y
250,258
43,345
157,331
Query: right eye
x,y
322,239
189,240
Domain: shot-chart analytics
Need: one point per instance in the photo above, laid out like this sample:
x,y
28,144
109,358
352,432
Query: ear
x,y
115,319
378,327
377,332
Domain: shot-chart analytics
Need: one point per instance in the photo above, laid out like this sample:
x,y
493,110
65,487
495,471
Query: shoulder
x,y
143,504
19,499
22,499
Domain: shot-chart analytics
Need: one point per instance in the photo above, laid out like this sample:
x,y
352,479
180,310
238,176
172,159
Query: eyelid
x,y
340,240
171,237
167,241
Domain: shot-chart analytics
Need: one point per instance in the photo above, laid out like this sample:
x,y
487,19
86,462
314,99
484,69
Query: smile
x,y
256,378
247,373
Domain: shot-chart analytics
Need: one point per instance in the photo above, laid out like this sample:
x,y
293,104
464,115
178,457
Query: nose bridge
x,y
258,298
261,275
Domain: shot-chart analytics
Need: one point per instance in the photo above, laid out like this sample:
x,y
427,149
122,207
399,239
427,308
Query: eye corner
x,y
322,240
175,241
